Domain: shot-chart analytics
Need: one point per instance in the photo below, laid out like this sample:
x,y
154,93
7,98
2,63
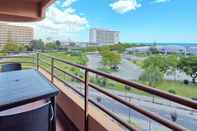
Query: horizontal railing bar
x,y
66,62
6,62
114,116
105,110
43,67
69,74
17,51
146,113
151,115
68,85
1,57
178,99
43,61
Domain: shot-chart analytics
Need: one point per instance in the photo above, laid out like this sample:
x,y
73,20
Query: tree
x,y
110,58
172,62
156,61
153,50
58,44
37,44
21,47
189,66
50,46
152,75
10,46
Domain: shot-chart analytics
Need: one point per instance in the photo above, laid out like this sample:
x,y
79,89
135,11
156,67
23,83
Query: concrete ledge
x,y
73,106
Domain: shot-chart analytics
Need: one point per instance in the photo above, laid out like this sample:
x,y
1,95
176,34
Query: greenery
x,y
110,58
37,44
13,47
120,47
189,66
106,69
152,75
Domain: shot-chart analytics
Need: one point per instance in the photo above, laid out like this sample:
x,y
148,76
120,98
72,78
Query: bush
x,y
172,91
186,82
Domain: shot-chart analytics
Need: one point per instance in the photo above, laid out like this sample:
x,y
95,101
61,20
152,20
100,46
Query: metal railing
x,y
51,66
174,98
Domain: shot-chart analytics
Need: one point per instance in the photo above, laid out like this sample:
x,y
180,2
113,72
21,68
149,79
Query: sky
x,y
168,21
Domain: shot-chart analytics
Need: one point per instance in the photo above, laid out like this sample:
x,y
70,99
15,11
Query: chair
x,y
38,119
11,67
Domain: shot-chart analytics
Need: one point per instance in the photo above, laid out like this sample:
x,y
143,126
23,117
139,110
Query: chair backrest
x,y
11,67
34,120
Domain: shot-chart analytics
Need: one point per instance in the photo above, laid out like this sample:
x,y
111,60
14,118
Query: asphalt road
x,y
127,70
184,117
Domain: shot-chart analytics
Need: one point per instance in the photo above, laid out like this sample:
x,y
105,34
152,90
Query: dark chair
x,y
11,67
38,119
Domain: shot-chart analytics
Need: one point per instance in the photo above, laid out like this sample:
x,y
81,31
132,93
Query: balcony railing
x,y
51,65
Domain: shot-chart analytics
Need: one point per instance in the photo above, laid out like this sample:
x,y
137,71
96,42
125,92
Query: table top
x,y
22,87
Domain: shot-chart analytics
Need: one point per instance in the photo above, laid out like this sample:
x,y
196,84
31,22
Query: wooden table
x,y
25,86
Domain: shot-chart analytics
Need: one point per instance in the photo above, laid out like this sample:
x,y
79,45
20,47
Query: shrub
x,y
186,82
172,91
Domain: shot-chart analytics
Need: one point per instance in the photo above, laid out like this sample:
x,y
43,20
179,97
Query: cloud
x,y
60,22
161,1
67,3
123,6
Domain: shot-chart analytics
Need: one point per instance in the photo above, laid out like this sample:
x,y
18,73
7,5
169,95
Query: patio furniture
x,y
37,119
11,67
23,87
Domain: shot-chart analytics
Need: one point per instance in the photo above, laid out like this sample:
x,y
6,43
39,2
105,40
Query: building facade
x,y
102,36
16,34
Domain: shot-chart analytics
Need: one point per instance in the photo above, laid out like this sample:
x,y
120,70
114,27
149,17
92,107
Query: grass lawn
x,y
106,69
179,87
80,59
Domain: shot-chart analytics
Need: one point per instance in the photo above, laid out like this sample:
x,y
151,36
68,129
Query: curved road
x,y
127,70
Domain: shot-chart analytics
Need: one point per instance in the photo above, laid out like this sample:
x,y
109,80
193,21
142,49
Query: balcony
x,y
83,105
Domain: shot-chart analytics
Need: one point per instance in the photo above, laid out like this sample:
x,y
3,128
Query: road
x,y
127,70
185,118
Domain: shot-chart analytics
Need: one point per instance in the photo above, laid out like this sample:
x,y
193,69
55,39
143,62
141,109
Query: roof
x,y
23,10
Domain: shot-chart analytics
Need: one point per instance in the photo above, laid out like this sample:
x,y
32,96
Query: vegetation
x,y
120,47
37,44
152,75
189,66
110,58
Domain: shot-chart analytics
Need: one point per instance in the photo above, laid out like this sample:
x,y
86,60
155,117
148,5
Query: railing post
x,y
37,61
52,69
86,101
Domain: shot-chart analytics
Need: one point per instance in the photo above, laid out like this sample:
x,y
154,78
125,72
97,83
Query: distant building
x,y
17,34
102,36
172,49
192,50
141,49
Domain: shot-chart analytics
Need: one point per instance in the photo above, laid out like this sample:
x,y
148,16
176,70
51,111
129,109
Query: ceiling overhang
x,y
23,10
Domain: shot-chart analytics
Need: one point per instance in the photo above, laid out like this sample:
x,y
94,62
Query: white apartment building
x,y
16,34
103,36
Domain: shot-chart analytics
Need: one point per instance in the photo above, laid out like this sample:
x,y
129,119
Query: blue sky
x,y
167,21
137,20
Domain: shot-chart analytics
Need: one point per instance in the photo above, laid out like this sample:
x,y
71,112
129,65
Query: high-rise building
x,y
16,34
103,36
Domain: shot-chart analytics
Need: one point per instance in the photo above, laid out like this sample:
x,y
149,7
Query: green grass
x,y
105,69
180,88
79,59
